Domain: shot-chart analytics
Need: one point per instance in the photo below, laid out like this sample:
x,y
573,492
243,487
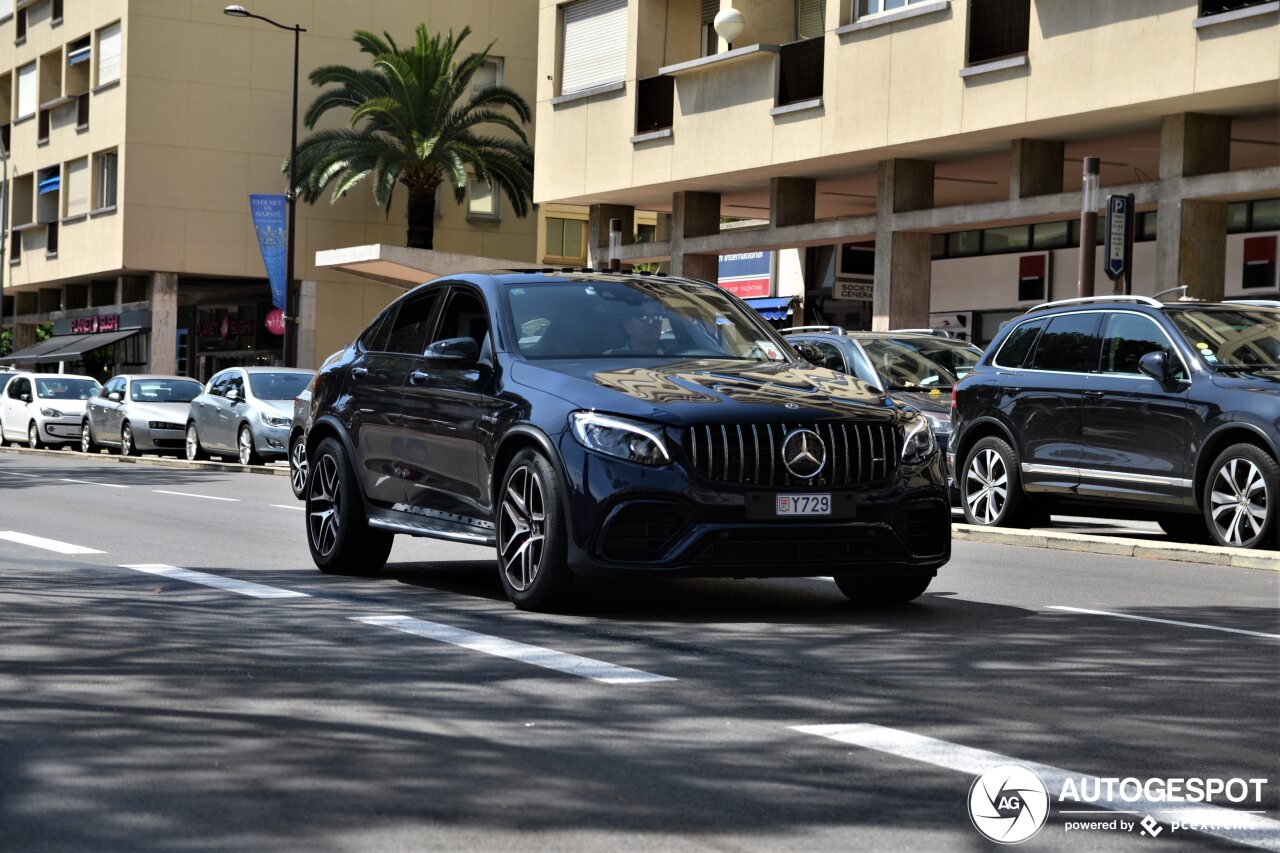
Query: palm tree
x,y
416,121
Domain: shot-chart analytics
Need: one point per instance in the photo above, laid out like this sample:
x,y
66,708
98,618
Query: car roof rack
x,y
937,333
1086,300
832,330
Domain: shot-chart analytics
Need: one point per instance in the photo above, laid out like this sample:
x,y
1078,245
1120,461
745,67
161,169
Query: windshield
x,y
920,364
163,391
278,386
1236,339
65,388
637,319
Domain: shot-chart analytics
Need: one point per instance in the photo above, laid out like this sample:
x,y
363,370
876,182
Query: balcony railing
x,y
800,71
1217,7
655,103
997,28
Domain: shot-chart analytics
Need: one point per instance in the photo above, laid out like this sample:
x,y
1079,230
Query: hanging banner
x,y
269,221
746,274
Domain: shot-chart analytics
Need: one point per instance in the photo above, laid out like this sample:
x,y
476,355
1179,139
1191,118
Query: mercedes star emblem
x,y
804,453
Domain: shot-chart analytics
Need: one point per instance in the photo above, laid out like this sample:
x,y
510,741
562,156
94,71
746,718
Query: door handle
x,y
1094,395
418,377
1013,392
357,372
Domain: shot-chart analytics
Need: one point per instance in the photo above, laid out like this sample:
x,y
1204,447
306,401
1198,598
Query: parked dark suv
x,y
597,424
1124,405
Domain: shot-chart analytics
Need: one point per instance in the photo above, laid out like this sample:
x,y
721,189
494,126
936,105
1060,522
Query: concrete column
x,y
1035,168
662,230
162,293
307,356
792,201
1191,236
903,259
598,216
694,214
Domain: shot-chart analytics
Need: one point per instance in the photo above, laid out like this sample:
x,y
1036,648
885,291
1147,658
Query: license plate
x,y
803,504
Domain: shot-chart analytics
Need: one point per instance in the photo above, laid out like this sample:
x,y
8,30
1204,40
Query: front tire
x,y
298,467
87,444
195,452
991,486
127,447
1240,497
532,537
245,451
883,589
33,436
338,532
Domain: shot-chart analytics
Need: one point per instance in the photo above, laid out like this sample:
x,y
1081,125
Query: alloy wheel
x,y
86,439
33,436
298,466
522,528
324,505
193,442
986,486
246,446
1239,502
126,441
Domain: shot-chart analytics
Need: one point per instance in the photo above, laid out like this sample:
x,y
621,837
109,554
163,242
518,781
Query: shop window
x,y
1015,238
964,243
1051,235
1265,215
1147,224
1238,217
938,246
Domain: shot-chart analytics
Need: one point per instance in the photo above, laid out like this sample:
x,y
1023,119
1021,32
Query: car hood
x,y
933,402
700,390
1264,381
169,412
280,408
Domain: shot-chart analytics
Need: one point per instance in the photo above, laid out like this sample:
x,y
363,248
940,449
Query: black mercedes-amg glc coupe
x,y
595,424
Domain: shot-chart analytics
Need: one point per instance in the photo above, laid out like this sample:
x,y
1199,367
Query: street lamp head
x,y
236,11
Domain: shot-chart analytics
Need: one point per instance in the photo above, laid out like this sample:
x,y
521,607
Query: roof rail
x,y
937,333
1085,300
832,330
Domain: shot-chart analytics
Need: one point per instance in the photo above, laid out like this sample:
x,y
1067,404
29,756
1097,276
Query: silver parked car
x,y
138,413
245,412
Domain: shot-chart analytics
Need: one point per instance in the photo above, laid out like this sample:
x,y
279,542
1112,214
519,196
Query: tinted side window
x,y
374,338
411,326
1015,348
235,382
1128,338
464,317
219,384
1068,345
831,356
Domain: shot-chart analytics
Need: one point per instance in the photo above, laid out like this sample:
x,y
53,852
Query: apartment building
x,y
926,155
136,131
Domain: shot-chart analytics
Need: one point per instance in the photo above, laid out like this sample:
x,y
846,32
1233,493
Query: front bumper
x,y
631,520
271,442
170,437
60,430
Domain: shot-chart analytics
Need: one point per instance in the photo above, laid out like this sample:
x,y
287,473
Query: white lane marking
x,y
255,590
93,483
16,474
285,506
1164,621
536,655
47,544
190,495
1239,826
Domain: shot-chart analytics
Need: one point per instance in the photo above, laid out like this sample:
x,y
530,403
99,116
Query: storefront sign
x,y
93,325
746,275
275,321
224,329
842,289
269,222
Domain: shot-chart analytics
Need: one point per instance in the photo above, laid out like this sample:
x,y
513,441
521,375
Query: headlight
x,y
275,420
51,413
940,424
918,444
616,437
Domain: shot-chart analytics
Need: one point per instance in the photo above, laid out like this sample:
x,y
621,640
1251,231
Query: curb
x,y
1119,546
155,461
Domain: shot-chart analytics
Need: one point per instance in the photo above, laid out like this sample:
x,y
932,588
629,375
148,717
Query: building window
x,y
27,90
105,176
488,75
6,9
1264,215
594,43
109,54
875,7
482,201
710,41
998,28
1051,235
566,239
77,189
811,18
1217,7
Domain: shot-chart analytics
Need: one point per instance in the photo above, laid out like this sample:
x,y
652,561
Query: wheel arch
x,y
985,428
521,437
1233,432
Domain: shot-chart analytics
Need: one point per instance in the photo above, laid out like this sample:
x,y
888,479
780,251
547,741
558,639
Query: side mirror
x,y
115,396
1156,365
234,395
26,398
458,352
810,353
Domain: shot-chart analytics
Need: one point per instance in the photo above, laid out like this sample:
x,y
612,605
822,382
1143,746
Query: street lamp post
x,y
4,232
291,196
1088,226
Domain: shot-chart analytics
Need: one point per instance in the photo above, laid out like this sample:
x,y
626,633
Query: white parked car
x,y
44,408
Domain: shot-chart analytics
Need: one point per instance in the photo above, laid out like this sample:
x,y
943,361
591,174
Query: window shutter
x,y
6,8
595,44
77,189
710,8
109,54
26,90
811,18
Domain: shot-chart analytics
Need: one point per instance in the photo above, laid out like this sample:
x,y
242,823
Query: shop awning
x,y
66,347
773,308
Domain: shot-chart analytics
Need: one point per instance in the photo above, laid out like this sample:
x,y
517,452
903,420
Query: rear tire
x,y
883,589
338,531
532,537
1241,494
991,487
195,452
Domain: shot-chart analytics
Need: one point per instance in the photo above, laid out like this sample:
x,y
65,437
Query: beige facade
x,y
934,117
198,120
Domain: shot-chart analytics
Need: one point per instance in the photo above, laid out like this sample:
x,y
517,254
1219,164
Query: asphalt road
x,y
174,674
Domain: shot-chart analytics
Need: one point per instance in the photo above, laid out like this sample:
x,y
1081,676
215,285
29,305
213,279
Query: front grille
x,y
640,532
842,546
751,454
